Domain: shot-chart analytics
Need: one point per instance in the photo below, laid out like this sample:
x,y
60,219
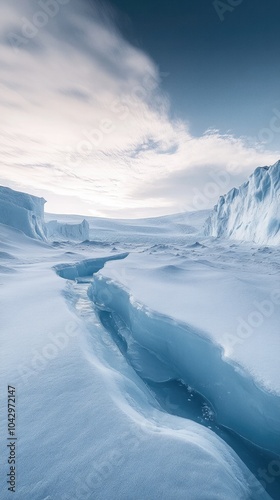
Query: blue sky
x,y
132,109
222,66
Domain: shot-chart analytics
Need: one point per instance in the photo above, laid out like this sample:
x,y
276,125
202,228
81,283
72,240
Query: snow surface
x,y
199,317
251,212
129,380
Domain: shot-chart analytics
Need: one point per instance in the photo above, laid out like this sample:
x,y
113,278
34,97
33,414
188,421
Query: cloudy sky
x,y
137,108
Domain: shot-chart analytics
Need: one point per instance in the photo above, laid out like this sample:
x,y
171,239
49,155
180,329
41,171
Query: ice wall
x,y
251,212
79,232
23,212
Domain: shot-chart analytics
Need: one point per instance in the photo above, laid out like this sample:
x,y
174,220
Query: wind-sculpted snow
x,y
251,212
22,211
86,267
230,293
60,230
188,355
160,379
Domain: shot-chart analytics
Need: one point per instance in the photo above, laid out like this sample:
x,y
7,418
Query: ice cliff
x,y
251,212
60,230
23,212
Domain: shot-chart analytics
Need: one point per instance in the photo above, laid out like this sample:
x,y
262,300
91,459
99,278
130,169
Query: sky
x,y
137,108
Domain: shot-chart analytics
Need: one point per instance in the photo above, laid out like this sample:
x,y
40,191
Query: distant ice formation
x,y
79,231
23,212
251,212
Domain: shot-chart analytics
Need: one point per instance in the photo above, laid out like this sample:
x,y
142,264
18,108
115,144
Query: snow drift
x,y
251,212
79,232
22,211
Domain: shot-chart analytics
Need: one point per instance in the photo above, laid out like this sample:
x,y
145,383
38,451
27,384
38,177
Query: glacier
x,y
250,212
145,359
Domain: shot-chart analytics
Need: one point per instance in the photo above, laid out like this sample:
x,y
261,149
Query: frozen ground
x,y
156,377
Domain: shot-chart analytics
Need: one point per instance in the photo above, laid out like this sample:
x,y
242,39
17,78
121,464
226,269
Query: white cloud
x,y
83,119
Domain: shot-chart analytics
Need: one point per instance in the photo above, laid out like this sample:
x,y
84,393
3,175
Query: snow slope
x,y
22,211
251,212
